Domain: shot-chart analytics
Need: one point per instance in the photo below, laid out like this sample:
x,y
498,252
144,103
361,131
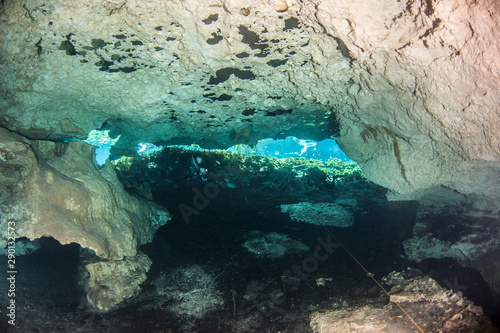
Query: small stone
x,y
245,11
49,177
281,6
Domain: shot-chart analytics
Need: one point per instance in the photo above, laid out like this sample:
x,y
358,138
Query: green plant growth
x,y
124,163
267,178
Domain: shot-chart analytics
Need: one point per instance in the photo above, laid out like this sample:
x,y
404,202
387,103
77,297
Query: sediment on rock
x,y
431,307
107,283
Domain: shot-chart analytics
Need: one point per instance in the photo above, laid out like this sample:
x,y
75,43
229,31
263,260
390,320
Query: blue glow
x,y
147,149
294,147
104,143
281,148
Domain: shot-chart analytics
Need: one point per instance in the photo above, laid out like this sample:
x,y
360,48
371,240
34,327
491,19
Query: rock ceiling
x,y
409,88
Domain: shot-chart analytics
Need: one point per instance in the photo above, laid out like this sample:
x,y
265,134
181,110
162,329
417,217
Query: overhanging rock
x,y
409,88
54,189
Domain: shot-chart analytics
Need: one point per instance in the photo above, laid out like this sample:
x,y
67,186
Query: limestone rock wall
x,y
409,87
54,189
212,72
426,91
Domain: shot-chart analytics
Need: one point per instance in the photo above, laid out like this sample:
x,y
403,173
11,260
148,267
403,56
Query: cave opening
x,y
242,236
264,259
249,245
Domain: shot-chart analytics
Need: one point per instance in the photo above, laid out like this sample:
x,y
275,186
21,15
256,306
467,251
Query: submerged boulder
x,y
190,291
54,189
272,245
109,282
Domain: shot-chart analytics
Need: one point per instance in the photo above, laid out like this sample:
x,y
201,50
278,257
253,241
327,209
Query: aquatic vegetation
x,y
265,176
124,163
279,181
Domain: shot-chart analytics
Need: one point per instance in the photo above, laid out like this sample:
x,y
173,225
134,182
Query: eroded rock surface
x,y
433,308
410,88
110,282
191,292
54,189
190,71
430,103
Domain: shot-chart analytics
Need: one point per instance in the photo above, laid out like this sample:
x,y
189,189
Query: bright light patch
x,y
147,149
282,148
294,147
104,143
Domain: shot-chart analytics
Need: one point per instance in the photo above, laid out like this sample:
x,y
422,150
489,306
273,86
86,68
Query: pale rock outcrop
x,y
107,283
409,88
320,213
425,92
54,189
178,71
433,309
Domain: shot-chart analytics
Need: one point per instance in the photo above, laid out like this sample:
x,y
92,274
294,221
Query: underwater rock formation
x,y
23,246
54,189
409,88
109,282
432,307
448,227
170,177
189,291
272,245
427,112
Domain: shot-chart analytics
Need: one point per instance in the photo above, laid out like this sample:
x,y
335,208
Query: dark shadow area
x,y
223,75
46,293
467,280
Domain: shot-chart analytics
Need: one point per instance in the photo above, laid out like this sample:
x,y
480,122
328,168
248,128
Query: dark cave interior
x,y
213,238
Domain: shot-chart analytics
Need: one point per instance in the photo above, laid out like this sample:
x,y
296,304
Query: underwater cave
x,y
279,166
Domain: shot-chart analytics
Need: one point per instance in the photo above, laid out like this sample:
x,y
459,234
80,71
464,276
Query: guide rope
x,y
371,276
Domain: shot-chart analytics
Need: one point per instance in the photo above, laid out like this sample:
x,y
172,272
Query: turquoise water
x,y
280,148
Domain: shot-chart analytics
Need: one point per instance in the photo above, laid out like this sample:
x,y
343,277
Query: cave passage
x,y
236,256
280,148
181,166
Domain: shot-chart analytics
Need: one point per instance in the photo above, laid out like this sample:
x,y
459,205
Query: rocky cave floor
x,y
203,280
